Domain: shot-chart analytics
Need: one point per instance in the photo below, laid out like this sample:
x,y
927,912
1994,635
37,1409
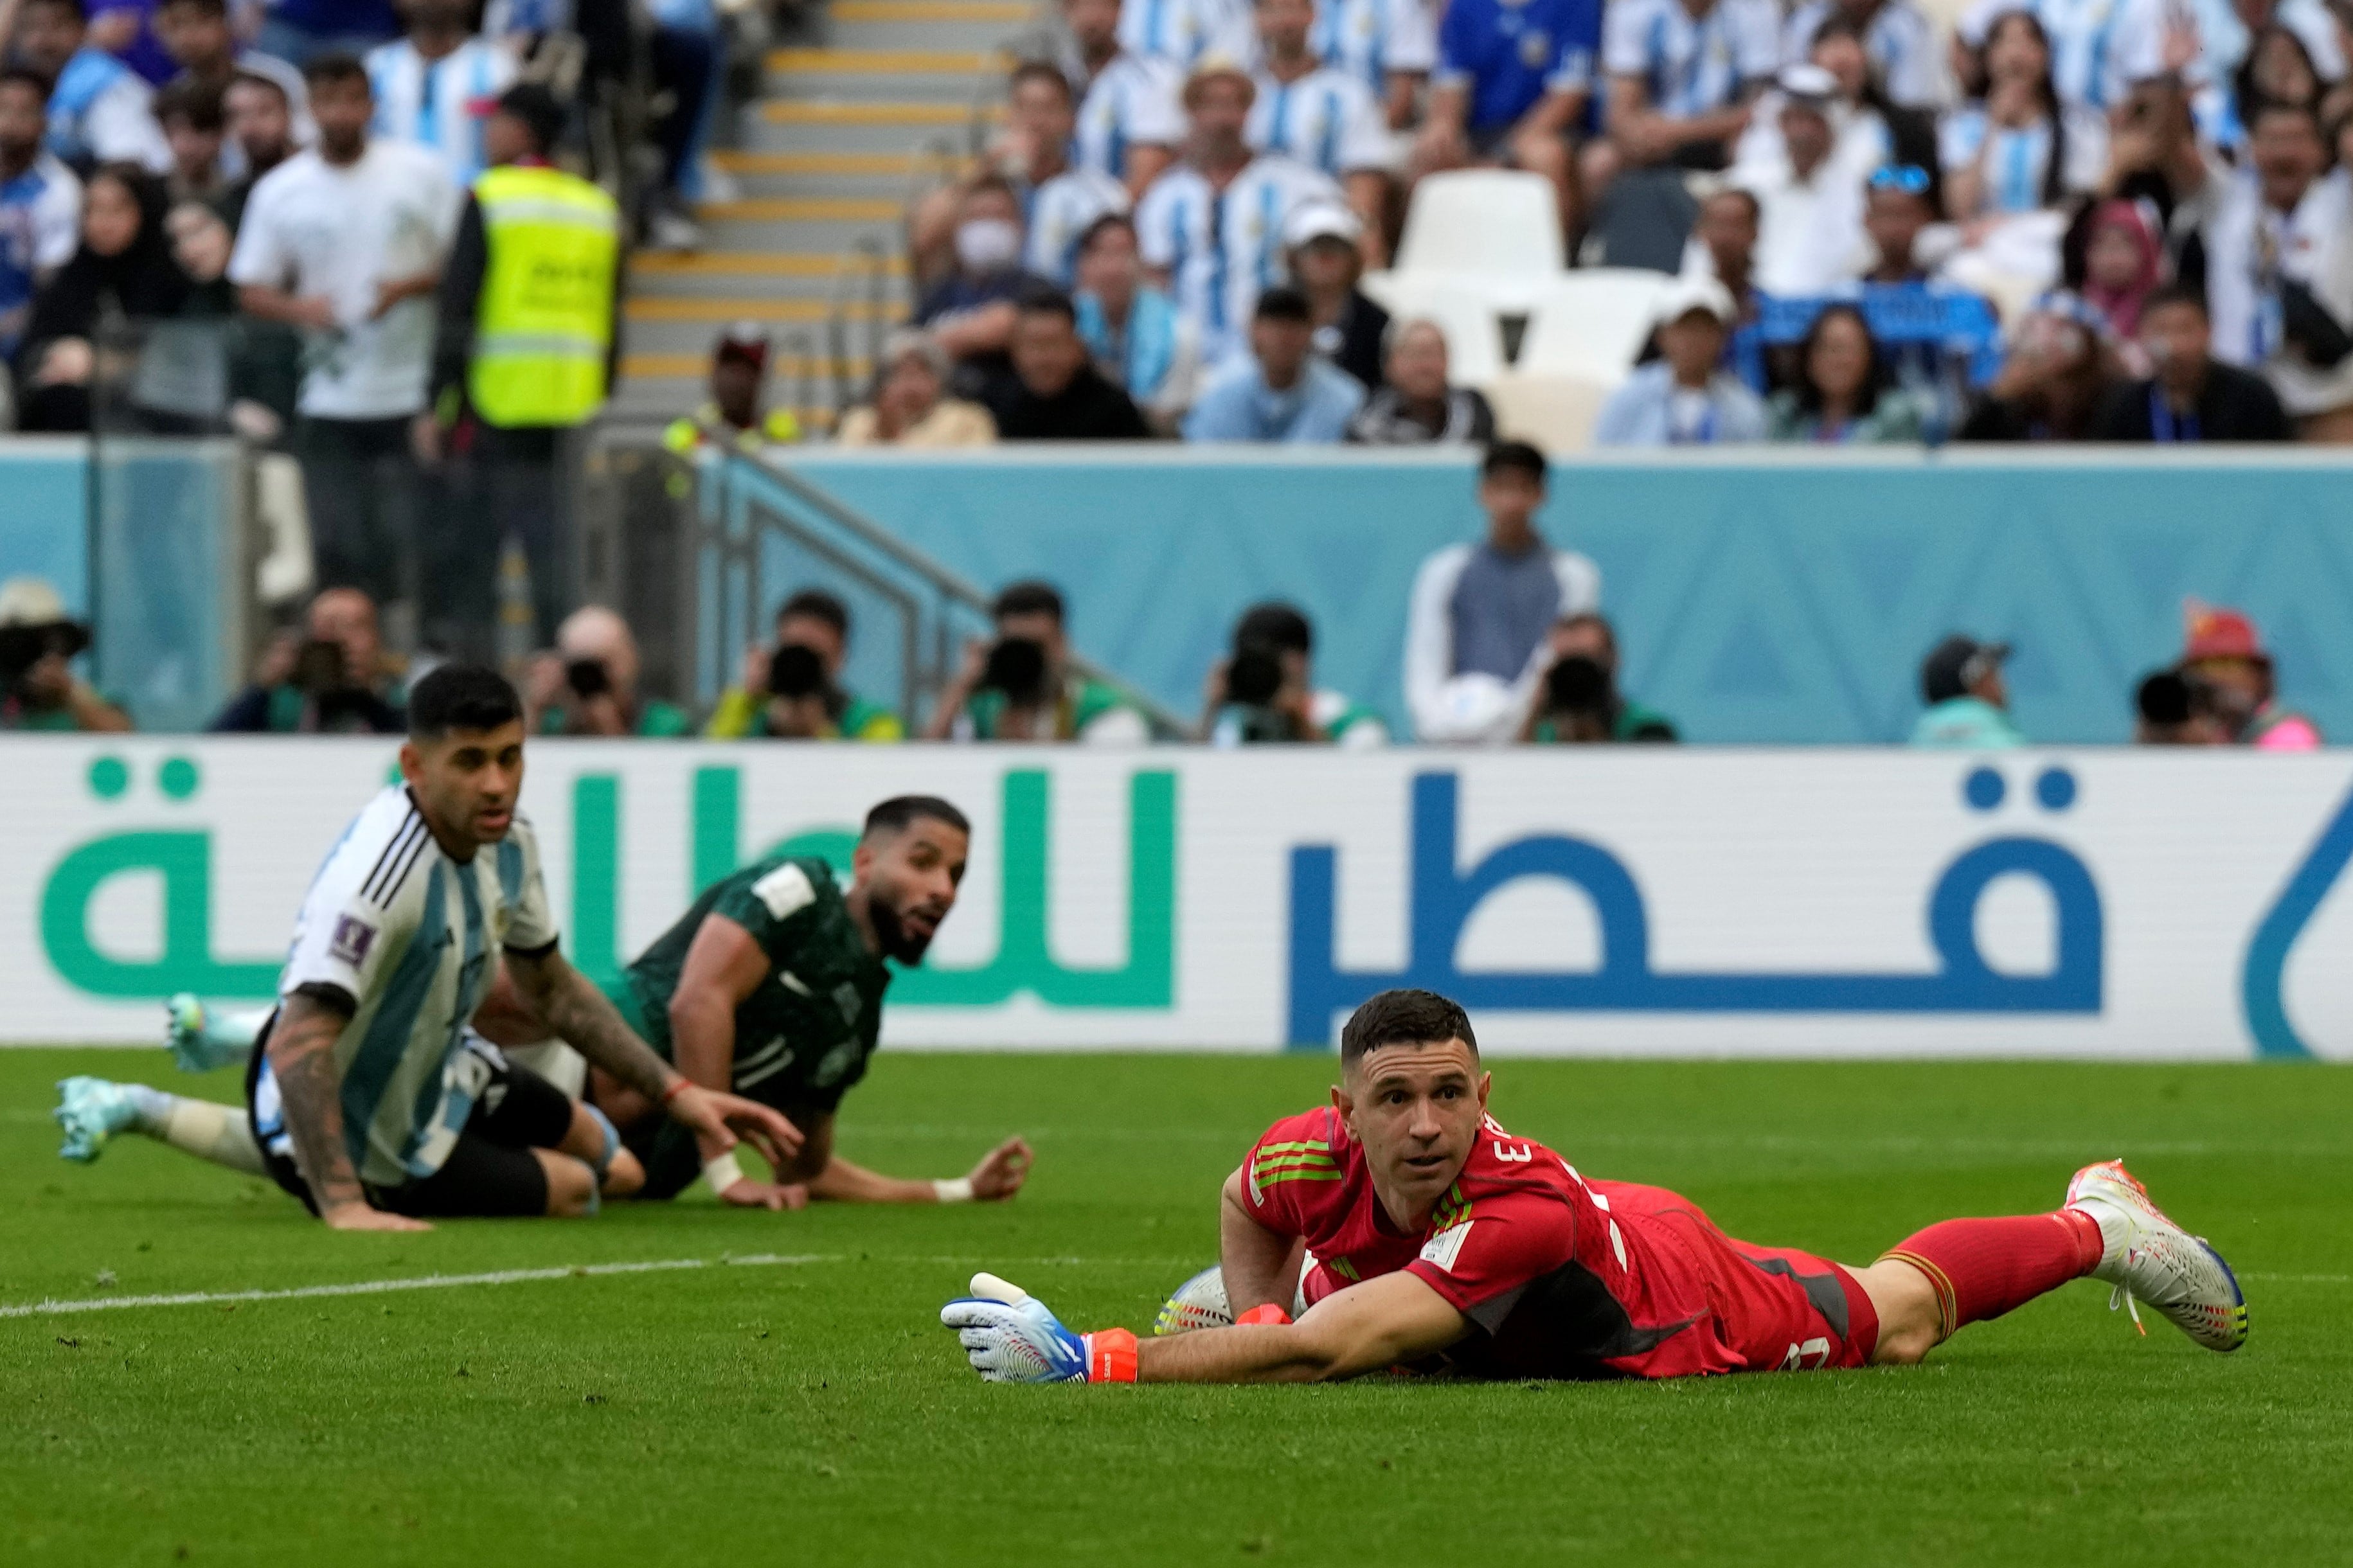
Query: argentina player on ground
x,y
369,1097
1420,1233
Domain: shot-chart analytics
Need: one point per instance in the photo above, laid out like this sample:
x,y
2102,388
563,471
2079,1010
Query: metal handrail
x,y
863,257
947,584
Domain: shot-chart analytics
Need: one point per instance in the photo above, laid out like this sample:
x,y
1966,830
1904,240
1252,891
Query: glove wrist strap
x,y
1267,1314
1110,1356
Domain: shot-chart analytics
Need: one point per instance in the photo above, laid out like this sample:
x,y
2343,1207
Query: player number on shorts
x,y
1817,1348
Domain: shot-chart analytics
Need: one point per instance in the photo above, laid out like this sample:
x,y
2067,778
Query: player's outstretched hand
x,y
360,1216
748,1194
1011,1336
1001,1171
722,1117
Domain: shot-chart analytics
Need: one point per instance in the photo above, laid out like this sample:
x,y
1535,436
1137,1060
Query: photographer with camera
x,y
589,686
1577,701
2171,708
37,646
1266,691
794,690
330,680
1021,687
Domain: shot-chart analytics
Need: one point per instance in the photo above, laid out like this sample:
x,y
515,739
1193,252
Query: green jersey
x,y
804,1033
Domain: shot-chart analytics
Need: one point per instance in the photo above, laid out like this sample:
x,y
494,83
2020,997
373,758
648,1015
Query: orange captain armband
x,y
1110,1356
1267,1314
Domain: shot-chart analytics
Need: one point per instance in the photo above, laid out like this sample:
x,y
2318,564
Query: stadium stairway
x,y
824,163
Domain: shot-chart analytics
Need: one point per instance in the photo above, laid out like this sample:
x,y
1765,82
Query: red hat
x,y
2212,632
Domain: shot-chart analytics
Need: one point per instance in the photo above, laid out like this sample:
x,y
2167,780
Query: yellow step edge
x,y
932,11
724,311
694,367
745,263
788,209
791,111
736,161
889,62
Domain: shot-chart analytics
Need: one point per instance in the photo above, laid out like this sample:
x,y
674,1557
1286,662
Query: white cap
x,y
1216,64
1690,293
31,602
1805,82
1320,220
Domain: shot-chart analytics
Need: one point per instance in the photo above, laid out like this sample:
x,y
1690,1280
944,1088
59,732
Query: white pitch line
x,y
2301,1278
421,1282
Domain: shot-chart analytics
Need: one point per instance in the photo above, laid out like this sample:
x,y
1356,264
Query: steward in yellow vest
x,y
524,355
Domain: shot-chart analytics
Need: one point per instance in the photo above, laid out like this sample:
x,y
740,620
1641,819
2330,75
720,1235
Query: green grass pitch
x,y
815,1412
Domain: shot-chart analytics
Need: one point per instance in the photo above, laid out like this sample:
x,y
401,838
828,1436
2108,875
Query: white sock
x,y
209,1132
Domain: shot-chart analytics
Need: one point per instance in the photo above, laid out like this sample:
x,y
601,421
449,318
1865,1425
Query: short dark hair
x,y
1283,303
990,180
211,8
460,697
537,110
1274,625
1403,1018
80,11
902,812
335,65
1514,457
1029,598
2275,106
1040,71
187,99
1045,299
30,80
1103,226
2188,294
1743,194
816,605
1596,619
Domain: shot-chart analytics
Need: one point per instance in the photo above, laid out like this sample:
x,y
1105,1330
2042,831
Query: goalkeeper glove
x,y
1011,1336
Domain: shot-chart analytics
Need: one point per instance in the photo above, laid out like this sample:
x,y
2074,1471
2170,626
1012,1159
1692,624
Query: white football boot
x,y
2149,1257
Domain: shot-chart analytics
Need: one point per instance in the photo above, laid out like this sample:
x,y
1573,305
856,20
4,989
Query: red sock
x,y
1983,1268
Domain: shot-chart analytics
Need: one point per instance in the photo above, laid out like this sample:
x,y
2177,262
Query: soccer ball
x,y
1198,1303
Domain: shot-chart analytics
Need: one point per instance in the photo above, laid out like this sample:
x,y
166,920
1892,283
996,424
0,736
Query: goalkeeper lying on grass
x,y
1415,1232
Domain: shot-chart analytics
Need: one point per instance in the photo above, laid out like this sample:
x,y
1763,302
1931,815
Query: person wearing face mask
x,y
970,312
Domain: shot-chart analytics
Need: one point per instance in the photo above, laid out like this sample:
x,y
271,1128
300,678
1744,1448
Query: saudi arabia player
x,y
370,1098
1428,1236
772,984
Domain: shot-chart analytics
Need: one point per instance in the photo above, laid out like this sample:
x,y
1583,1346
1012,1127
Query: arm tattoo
x,y
586,1021
302,1055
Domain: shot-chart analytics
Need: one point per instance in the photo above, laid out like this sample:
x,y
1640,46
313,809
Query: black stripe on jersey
x,y
409,826
408,862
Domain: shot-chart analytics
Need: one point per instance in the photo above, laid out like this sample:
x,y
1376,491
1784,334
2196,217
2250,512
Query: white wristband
x,y
722,1172
956,1191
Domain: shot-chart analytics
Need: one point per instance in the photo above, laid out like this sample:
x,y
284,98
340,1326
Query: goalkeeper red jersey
x,y
1560,1275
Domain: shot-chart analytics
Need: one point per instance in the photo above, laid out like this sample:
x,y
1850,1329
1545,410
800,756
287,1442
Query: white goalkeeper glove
x,y
1011,1336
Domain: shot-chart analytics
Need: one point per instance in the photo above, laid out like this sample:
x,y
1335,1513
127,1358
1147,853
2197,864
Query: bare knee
x,y
624,1178
571,1184
1597,165
1909,1324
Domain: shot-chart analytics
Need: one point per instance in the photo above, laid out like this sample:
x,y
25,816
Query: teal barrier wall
x,y
1756,600
161,597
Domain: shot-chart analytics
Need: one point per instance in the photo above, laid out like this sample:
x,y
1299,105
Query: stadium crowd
x,y
1889,221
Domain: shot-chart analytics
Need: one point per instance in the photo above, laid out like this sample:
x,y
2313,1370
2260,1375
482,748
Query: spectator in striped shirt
x,y
1129,125
1308,112
1059,201
437,85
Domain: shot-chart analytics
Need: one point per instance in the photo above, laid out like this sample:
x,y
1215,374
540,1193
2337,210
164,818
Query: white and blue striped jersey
x,y
1182,31
412,938
2017,160
1132,101
1691,66
441,106
1059,212
1325,120
1222,249
1372,40
1901,41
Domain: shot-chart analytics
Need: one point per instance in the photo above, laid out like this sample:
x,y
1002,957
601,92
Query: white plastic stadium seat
x,y
1493,222
1591,323
1465,315
1556,411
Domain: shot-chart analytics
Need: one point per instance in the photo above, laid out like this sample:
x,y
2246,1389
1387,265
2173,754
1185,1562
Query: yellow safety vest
x,y
545,319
